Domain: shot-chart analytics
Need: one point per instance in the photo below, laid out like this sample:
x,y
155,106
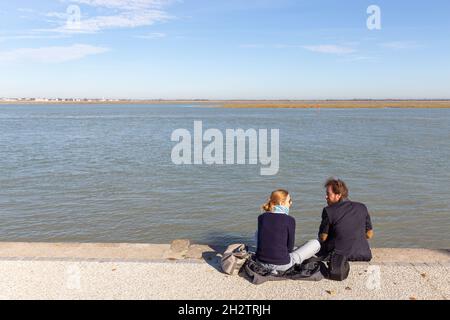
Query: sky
x,y
225,49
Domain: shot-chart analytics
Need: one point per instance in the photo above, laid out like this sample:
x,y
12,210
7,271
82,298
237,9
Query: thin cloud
x,y
30,37
400,45
26,10
330,49
151,36
51,54
358,58
252,46
125,14
124,4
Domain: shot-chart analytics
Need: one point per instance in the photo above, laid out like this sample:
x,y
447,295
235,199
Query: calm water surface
x,y
104,173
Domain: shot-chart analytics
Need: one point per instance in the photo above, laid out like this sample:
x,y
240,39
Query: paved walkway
x,y
180,271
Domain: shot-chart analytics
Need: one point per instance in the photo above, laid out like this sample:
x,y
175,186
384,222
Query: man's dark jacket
x,y
346,224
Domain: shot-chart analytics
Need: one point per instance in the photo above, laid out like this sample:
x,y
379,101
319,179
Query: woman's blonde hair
x,y
276,198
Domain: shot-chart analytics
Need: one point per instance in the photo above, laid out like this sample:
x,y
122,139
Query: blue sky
x,y
224,49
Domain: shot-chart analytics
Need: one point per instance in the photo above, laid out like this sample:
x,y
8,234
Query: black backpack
x,y
338,267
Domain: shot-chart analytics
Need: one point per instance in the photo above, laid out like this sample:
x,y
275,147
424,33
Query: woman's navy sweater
x,y
276,238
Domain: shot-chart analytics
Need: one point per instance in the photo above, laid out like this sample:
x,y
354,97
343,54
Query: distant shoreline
x,y
263,104
99,102
342,104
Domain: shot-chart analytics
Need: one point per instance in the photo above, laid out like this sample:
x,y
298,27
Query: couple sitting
x,y
345,229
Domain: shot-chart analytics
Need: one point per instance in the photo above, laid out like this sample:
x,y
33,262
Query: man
x,y
346,226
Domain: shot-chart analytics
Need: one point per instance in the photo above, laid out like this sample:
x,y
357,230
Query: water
x,y
103,173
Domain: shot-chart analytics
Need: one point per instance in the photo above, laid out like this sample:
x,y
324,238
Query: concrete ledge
x,y
404,255
151,252
83,251
101,251
189,271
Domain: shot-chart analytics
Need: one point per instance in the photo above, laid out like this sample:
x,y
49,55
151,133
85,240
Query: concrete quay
x,y
182,270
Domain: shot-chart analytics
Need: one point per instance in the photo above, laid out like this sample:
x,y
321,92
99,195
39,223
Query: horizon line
x,y
47,99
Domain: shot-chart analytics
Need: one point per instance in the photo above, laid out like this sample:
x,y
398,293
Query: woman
x,y
276,235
